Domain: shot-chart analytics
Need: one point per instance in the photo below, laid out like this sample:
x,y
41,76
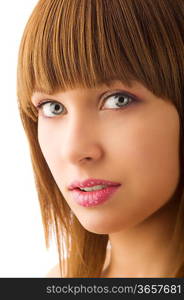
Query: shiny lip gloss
x,y
93,198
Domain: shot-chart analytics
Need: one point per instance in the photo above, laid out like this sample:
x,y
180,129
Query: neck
x,y
145,250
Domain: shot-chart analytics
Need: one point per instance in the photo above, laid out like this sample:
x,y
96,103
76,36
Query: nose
x,y
82,140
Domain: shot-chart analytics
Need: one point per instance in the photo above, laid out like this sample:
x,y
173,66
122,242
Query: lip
x,y
93,198
91,182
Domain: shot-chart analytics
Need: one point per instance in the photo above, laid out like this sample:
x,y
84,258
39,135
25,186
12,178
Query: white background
x,y
22,246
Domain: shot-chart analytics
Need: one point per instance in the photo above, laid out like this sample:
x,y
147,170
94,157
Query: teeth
x,y
93,188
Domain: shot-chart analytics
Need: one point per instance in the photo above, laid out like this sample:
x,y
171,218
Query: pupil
x,y
57,107
121,99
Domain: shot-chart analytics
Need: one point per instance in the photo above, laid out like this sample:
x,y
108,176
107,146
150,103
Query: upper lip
x,y
91,182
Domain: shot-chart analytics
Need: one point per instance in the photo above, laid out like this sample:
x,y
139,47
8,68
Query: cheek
x,y
46,141
153,160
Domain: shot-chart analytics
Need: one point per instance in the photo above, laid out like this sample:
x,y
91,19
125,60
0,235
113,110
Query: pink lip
x,y
92,198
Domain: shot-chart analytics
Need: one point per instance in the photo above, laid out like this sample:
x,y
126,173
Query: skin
x,y
136,145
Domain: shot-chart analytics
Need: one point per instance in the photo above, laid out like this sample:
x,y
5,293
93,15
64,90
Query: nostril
x,y
86,158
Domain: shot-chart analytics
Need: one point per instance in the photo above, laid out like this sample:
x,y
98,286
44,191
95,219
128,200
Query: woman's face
x,y
92,133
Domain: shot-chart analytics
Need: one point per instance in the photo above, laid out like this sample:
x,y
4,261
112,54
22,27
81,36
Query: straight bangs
x,y
87,43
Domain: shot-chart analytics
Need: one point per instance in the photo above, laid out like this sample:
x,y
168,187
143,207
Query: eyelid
x,y
41,102
123,92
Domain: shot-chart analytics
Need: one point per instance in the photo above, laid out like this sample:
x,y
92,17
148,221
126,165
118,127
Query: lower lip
x,y
93,198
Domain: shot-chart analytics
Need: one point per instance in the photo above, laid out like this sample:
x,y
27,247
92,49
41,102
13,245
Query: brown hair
x,y
69,43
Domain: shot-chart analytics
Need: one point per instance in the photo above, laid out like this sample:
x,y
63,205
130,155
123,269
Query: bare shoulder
x,y
54,272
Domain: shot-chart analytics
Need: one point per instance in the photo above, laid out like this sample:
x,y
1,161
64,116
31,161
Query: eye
x,y
51,108
118,100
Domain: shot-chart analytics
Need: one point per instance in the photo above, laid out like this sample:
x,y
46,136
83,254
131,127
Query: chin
x,y
101,228
95,230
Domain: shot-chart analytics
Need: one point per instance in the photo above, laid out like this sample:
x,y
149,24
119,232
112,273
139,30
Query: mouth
x,y
91,198
92,188
91,182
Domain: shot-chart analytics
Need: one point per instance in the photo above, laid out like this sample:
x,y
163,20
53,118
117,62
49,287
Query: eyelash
x,y
133,99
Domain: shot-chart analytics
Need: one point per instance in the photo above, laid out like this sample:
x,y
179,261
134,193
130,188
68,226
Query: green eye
x,y
118,100
51,108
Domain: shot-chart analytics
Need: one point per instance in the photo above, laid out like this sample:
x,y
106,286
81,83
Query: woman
x,y
100,94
